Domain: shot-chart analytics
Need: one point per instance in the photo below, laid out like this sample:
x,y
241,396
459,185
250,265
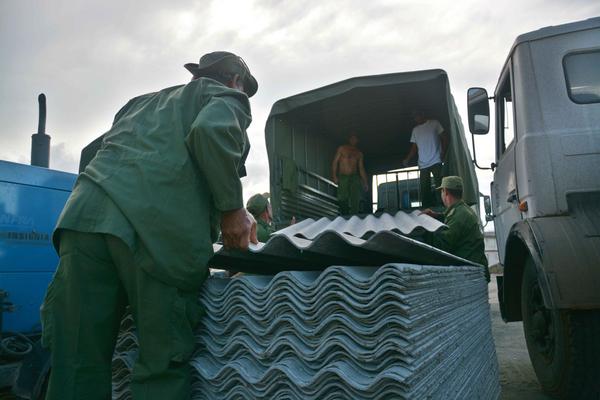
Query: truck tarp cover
x,y
378,108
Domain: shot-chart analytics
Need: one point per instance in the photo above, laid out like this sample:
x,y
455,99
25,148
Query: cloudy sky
x,y
90,57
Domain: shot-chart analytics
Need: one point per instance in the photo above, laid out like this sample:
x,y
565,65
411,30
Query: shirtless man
x,y
348,171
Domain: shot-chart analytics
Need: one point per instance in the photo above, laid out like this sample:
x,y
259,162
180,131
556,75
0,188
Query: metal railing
x,y
407,179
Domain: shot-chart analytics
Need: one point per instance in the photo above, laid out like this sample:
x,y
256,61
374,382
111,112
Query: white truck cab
x,y
545,199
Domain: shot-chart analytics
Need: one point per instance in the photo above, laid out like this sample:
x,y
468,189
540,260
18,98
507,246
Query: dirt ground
x,y
517,378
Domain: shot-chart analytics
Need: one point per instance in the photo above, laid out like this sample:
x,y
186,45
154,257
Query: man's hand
x,y
238,228
405,163
254,230
365,187
429,212
334,179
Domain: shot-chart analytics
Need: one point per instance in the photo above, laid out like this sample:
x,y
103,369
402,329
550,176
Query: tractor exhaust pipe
x,y
40,142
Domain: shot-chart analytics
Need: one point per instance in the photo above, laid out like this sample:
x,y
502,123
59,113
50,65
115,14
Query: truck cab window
x,y
509,133
583,76
504,108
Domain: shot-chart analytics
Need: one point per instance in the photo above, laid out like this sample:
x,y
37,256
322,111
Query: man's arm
x,y
362,172
447,239
410,155
216,142
334,164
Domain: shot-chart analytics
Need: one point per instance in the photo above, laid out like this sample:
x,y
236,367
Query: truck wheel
x,y
563,345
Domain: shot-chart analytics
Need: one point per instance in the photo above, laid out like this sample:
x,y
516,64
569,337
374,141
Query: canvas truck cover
x,y
303,132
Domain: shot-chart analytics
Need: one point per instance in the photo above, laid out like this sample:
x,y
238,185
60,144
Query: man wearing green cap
x,y
259,206
463,238
138,230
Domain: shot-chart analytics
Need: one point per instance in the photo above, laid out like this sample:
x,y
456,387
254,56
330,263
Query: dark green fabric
x,y
429,197
170,165
349,192
91,210
98,275
289,175
263,230
463,237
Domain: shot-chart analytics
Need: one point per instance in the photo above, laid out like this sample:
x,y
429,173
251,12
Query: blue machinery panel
x,y
31,199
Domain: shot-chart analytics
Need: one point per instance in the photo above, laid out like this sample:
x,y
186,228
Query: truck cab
x,y
303,132
545,198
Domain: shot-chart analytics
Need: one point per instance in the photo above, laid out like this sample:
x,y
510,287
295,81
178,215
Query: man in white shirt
x,y
430,140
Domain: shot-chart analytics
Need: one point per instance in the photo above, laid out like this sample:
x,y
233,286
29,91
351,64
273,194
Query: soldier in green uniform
x,y
138,230
463,238
259,206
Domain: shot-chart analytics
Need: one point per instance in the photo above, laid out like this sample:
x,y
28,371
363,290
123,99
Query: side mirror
x,y
487,205
479,111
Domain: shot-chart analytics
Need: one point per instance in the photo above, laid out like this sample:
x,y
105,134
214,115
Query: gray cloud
x,y
91,57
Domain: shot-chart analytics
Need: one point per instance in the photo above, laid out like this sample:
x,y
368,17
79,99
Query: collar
x,y
262,222
453,206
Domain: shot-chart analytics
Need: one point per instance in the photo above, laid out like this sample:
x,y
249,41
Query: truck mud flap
x,y
500,284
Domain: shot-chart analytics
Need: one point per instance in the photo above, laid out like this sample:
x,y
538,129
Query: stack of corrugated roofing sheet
x,y
315,245
283,253
399,331
123,359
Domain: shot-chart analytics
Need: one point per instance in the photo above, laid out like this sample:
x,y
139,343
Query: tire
x,y
563,345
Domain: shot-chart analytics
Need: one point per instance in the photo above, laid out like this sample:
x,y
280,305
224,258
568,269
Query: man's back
x,y
154,168
427,138
463,238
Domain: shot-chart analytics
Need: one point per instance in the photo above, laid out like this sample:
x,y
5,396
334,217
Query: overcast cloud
x,y
90,57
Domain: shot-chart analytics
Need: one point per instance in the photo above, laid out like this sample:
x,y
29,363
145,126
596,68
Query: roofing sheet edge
x,y
286,252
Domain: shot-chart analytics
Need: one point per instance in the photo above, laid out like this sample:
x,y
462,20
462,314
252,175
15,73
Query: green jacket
x,y
263,230
463,237
167,167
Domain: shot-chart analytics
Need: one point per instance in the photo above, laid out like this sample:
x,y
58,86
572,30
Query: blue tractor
x,y
31,199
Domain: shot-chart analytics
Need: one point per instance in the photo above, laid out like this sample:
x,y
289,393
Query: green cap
x,y
211,61
257,204
452,183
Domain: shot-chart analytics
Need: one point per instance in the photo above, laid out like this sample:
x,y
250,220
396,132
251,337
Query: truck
x,y
31,199
303,132
545,199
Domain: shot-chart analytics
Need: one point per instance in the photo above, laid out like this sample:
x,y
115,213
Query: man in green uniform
x,y
138,230
259,206
463,238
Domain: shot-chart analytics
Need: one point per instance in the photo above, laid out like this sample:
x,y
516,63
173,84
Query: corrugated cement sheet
x,y
287,252
396,332
362,227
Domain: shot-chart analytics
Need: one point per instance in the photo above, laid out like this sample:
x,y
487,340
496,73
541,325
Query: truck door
x,y
504,187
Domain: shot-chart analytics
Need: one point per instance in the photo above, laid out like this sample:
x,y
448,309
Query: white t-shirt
x,y
427,138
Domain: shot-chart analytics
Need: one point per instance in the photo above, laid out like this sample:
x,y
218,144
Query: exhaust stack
x,y
40,142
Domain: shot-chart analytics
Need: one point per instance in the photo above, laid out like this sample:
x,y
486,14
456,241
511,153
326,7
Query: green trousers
x,y
349,192
430,198
98,275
